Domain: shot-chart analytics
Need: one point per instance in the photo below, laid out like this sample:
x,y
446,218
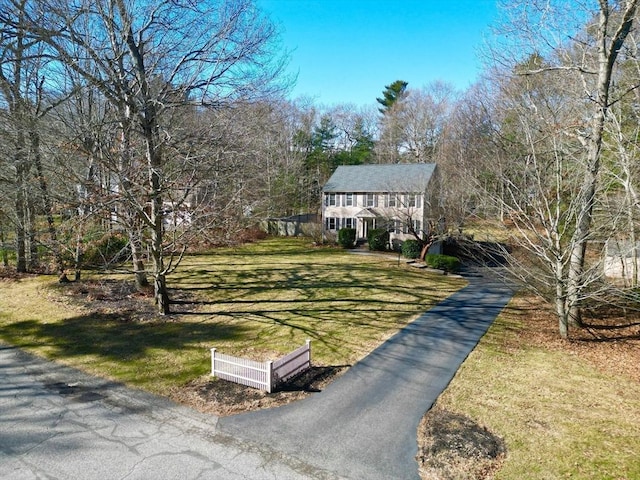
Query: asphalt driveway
x,y
59,423
364,425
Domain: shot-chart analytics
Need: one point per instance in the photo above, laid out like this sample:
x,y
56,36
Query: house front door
x,y
367,224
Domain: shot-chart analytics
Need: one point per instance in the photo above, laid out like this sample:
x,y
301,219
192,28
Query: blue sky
x,y
346,51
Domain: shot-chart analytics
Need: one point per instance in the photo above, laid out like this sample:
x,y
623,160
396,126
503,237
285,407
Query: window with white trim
x,y
330,223
349,222
348,200
330,200
370,200
392,199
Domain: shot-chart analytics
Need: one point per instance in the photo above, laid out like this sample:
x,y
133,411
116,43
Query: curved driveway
x,y
364,425
59,423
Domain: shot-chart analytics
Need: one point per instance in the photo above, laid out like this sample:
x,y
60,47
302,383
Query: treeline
x,y
167,124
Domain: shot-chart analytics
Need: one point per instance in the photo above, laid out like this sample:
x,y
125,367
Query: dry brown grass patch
x,y
610,341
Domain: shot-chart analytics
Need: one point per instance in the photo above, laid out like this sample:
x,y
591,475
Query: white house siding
x,y
619,259
363,196
371,211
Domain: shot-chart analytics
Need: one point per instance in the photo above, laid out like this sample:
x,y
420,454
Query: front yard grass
x,y
565,409
258,301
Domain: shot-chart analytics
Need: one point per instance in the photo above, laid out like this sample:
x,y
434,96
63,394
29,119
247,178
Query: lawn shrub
x,y
346,237
411,248
443,262
111,248
378,239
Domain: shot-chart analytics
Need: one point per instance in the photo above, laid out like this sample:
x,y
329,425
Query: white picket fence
x,y
263,375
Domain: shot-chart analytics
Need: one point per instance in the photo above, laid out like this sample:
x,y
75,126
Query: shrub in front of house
x,y
411,248
378,239
442,262
347,237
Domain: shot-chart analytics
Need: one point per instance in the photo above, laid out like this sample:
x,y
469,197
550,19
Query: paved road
x,y
363,426
57,423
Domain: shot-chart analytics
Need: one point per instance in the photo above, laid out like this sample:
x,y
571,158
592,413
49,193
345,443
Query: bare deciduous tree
x,y
149,60
556,115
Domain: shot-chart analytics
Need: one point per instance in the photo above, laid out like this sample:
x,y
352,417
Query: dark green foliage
x,y
347,237
443,262
111,248
411,248
362,150
378,239
391,94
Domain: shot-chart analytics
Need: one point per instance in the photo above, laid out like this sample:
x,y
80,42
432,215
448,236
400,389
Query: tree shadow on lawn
x,y
611,323
115,336
323,283
608,332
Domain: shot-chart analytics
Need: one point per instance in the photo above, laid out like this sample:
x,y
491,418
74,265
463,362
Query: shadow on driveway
x,y
364,425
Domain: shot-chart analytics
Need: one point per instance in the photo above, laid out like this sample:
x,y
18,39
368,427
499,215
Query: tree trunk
x,y
561,301
154,164
634,245
153,154
161,294
139,270
4,246
608,49
32,237
46,200
21,243
77,257
425,249
20,212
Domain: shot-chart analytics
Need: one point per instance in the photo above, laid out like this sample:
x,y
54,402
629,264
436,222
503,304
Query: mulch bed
x,y
220,397
452,446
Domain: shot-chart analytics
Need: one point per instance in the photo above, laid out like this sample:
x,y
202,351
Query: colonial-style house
x,y
392,196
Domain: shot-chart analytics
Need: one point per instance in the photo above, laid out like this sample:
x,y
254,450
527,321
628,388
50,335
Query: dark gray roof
x,y
401,177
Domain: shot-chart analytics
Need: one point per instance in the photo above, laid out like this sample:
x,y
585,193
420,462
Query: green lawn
x,y
559,414
258,301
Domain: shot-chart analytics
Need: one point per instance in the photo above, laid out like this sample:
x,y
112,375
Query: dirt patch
x,y
11,275
453,446
119,299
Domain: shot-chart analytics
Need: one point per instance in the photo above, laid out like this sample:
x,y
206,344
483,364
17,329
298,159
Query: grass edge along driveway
x,y
259,301
561,414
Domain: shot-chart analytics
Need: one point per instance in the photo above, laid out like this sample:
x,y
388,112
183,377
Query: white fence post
x,y
213,362
270,376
